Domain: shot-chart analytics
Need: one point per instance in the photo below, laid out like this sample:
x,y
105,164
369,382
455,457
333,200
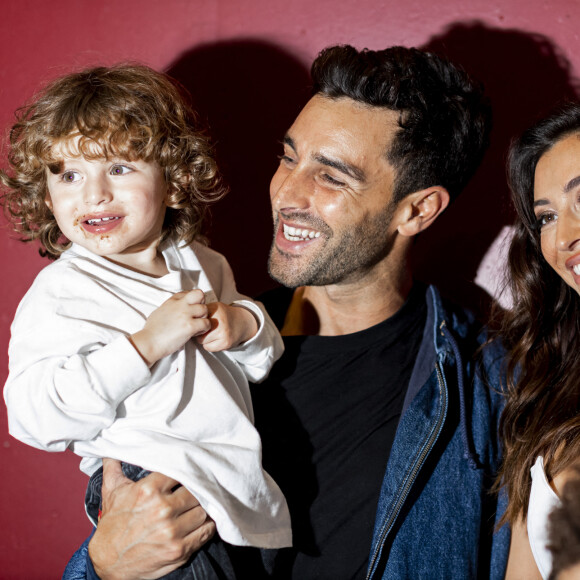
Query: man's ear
x,y
420,209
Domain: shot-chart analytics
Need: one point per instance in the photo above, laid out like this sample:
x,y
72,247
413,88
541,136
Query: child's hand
x,y
171,325
230,326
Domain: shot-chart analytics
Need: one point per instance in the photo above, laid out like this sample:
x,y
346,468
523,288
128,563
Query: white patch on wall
x,y
492,269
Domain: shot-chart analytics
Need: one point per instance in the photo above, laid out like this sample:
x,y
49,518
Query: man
x,y
379,399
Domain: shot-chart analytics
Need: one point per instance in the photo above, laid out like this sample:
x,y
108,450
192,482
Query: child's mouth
x,y
101,224
97,221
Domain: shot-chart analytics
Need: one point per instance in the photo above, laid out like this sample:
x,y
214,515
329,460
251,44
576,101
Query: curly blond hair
x,y
126,111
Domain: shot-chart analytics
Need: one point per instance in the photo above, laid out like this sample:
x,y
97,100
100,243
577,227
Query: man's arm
x,y
148,528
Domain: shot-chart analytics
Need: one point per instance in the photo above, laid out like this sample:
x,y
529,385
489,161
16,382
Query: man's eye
x,y
332,180
120,170
285,158
70,176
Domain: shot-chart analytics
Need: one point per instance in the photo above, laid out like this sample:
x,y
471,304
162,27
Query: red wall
x,y
245,64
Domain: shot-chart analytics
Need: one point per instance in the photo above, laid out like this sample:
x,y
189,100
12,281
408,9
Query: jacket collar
x,y
433,345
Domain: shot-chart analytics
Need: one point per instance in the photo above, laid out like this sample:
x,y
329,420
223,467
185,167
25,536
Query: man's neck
x,y
346,308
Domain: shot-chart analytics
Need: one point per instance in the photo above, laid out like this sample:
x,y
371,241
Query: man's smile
x,y
293,234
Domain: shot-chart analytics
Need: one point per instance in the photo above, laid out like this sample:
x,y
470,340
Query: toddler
x,y
110,174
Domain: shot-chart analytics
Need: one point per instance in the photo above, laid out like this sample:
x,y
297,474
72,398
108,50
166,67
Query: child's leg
x,y
211,562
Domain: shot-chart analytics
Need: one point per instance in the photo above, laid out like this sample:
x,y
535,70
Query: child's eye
x,y
70,176
120,170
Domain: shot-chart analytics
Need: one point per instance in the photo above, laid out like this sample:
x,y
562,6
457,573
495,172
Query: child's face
x,y
113,208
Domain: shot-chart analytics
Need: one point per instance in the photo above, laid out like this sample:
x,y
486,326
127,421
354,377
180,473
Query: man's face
x,y
331,195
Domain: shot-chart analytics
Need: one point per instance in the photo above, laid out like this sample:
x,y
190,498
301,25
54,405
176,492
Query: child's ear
x,y
420,209
48,201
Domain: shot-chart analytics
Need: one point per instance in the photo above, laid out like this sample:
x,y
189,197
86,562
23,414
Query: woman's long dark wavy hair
x,y
541,333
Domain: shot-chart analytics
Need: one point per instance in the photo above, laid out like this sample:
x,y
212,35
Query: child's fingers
x,y
200,327
198,311
217,338
210,342
194,297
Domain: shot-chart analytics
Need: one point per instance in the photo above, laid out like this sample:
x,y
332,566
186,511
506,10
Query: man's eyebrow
x,y
289,141
346,168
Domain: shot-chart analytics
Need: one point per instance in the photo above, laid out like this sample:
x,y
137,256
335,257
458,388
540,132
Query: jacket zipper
x,y
406,488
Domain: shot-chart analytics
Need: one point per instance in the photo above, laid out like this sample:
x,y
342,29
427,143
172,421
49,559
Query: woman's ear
x,y
420,209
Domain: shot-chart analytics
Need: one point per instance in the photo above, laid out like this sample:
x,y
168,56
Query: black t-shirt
x,y
327,415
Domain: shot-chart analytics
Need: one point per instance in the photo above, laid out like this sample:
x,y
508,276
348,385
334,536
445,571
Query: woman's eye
x,y
70,176
120,170
545,219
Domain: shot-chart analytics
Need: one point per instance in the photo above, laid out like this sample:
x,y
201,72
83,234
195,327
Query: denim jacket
x,y
436,517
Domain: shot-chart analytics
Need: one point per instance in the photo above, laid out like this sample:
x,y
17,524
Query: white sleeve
x,y
65,382
257,355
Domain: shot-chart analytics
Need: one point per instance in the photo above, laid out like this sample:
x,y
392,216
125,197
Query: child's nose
x,y
97,191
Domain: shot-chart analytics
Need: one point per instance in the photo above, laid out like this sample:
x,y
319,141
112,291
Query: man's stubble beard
x,y
345,256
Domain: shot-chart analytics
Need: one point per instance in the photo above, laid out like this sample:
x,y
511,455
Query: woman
x,y
541,422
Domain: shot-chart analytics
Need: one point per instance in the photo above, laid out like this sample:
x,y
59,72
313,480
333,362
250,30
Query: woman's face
x,y
557,208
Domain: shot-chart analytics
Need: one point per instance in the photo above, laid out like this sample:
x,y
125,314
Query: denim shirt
x,y
436,516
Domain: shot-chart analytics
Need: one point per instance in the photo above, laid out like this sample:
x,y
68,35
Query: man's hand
x,y
170,326
147,528
230,326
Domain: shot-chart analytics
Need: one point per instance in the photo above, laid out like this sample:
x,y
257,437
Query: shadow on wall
x,y
525,76
248,93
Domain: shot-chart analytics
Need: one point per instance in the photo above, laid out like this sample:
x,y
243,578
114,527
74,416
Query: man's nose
x,y
289,189
568,229
97,191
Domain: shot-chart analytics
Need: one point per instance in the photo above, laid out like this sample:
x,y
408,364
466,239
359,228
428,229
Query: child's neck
x,y
155,267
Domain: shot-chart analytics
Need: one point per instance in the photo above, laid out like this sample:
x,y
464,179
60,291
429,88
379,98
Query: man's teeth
x,y
576,269
299,234
96,221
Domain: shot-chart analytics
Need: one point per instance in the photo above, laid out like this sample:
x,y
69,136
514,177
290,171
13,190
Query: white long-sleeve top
x,y
76,382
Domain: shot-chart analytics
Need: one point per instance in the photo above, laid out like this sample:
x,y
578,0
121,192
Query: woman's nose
x,y
567,229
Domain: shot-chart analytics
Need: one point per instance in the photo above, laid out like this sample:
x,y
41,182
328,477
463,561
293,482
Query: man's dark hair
x,y
564,528
444,118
